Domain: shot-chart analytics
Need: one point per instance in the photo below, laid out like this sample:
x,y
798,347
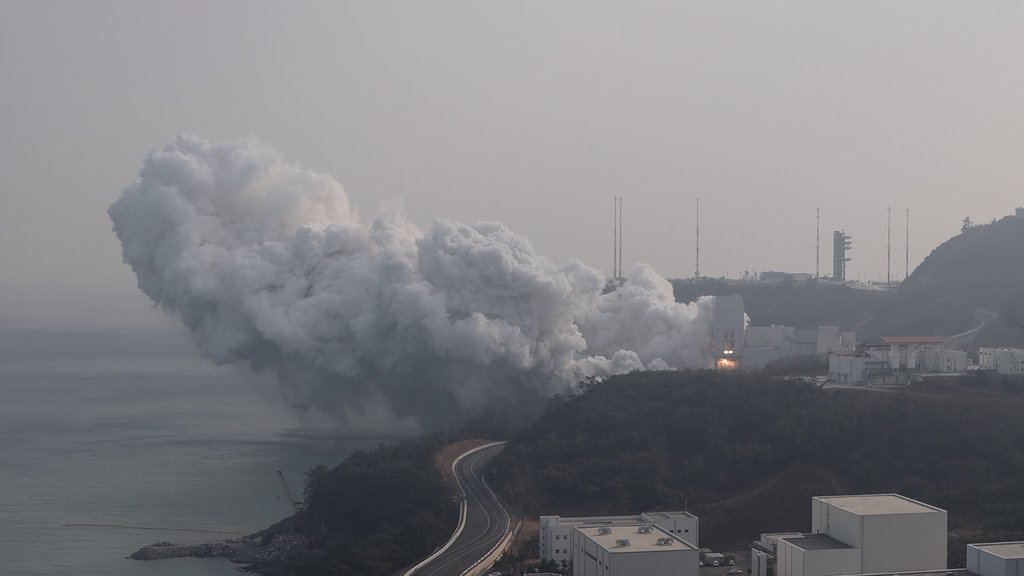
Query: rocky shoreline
x,y
262,549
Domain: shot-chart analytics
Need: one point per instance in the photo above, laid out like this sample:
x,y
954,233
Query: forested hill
x,y
789,303
974,276
746,453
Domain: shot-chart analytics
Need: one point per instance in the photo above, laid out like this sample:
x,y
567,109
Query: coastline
x,y
255,552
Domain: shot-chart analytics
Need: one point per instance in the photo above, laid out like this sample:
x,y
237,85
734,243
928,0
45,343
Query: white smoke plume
x,y
267,264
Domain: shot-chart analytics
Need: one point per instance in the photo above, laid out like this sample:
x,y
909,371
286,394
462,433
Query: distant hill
x,y
804,304
973,277
746,453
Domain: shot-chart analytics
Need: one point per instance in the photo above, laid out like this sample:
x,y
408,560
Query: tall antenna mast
x,y
906,271
696,274
888,250
615,237
620,237
817,242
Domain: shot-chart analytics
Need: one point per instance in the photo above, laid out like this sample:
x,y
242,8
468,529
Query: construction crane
x,y
295,504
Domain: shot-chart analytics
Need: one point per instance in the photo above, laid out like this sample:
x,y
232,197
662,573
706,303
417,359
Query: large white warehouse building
x,y
866,534
556,532
635,550
996,559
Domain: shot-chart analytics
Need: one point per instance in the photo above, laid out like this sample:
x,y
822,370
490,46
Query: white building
x,y
633,550
556,532
866,534
901,354
996,559
1001,360
816,554
857,368
763,552
923,354
764,344
952,361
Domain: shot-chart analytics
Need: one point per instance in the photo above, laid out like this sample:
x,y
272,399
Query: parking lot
x,y
742,564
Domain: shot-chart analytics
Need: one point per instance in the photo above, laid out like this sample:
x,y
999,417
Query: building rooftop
x,y
878,504
668,514
641,538
816,542
1007,550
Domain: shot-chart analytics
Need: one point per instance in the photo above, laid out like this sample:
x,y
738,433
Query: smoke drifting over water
x,y
374,320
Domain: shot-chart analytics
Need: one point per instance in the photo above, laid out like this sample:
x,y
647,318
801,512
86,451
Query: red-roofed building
x,y
923,354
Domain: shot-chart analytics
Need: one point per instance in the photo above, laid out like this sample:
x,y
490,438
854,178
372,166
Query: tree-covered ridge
x,y
976,275
746,452
373,514
981,268
806,304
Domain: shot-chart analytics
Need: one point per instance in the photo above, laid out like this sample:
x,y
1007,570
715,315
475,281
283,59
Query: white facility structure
x,y
863,535
732,344
857,368
631,550
556,532
764,344
996,559
897,355
763,552
923,354
1001,360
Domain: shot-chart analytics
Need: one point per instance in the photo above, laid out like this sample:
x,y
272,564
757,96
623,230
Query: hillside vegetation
x,y
373,514
792,304
747,453
976,276
981,268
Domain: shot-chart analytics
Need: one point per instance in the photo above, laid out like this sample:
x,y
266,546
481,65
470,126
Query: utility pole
x,y
906,271
888,250
817,243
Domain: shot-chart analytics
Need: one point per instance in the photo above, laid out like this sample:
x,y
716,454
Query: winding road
x,y
483,522
961,338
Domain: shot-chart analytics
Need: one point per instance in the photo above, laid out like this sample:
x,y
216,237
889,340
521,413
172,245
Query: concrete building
x,y
632,550
766,344
951,361
897,355
857,368
556,532
816,554
996,559
915,353
1001,360
764,551
863,535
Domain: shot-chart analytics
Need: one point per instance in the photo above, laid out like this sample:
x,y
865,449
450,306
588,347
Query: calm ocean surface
x,y
132,429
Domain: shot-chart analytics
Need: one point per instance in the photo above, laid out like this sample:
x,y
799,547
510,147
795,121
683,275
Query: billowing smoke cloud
x,y
267,263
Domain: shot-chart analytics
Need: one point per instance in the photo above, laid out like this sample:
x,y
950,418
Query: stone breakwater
x,y
248,550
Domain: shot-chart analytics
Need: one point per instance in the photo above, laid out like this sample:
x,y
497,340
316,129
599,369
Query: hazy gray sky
x,y
532,113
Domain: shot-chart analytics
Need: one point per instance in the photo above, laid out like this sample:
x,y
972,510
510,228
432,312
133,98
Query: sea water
x,y
113,440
